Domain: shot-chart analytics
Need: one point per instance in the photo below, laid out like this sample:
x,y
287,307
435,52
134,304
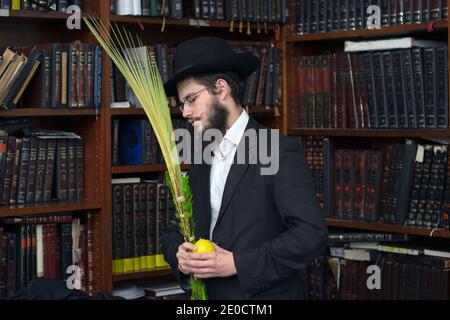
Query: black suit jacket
x,y
271,223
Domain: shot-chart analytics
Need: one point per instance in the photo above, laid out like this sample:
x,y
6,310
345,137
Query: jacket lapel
x,y
204,221
236,173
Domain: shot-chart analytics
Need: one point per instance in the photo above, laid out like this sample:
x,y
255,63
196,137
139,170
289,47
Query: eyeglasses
x,y
189,100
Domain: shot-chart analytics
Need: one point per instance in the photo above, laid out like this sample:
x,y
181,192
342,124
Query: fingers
x,y
186,246
183,250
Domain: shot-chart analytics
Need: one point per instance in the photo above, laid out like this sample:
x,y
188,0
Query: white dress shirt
x,y
221,164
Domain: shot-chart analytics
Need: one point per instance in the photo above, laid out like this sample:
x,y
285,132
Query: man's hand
x,y
204,265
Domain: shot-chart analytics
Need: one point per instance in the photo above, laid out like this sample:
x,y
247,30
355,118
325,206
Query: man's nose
x,y
187,112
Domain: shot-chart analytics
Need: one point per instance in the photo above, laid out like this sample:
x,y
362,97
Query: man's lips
x,y
192,120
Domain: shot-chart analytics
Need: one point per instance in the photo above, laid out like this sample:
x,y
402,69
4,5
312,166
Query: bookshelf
x,y
385,227
156,272
348,139
391,31
176,31
94,125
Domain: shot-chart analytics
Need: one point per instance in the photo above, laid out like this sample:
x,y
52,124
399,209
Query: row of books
x,y
39,5
394,89
141,211
150,289
41,166
17,67
66,76
261,89
134,142
52,246
406,272
263,11
314,16
403,183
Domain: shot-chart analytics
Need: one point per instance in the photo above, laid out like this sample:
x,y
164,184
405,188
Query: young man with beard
x,y
267,228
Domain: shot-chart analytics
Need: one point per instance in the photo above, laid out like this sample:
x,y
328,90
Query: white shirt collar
x,y
236,131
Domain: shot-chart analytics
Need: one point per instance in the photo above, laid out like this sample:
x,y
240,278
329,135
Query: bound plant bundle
x,y
139,68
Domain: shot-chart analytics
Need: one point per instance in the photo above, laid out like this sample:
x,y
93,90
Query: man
x,y
267,228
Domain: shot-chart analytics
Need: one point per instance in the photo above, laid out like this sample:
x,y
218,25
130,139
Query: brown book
x,y
61,171
359,184
318,92
38,94
326,90
32,170
301,77
23,171
71,158
79,169
9,165
89,84
40,171
81,76
15,173
72,77
49,170
56,75
64,75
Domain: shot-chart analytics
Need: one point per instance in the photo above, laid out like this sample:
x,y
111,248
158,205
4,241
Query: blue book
x,y
132,142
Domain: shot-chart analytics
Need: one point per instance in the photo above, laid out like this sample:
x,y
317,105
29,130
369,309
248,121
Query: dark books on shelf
x,y
391,89
133,142
50,246
255,11
402,183
41,166
69,76
408,273
314,16
141,211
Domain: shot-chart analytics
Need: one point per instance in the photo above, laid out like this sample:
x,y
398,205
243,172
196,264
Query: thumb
x,y
218,249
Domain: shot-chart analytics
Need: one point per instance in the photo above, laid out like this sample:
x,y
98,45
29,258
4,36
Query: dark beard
x,y
218,117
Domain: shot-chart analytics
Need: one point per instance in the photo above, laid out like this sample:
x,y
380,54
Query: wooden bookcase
x,y
317,43
28,28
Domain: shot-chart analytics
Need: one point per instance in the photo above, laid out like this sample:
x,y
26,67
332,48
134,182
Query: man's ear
x,y
222,88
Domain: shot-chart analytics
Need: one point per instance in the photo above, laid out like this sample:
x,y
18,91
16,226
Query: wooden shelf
x,y
157,272
48,112
49,208
384,227
368,33
33,16
387,133
143,169
185,22
174,111
139,111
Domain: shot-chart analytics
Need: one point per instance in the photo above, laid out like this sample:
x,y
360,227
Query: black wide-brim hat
x,y
209,54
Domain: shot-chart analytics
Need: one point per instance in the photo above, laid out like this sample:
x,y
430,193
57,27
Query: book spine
x,y
49,171
399,88
15,172
9,164
418,72
3,149
79,169
71,172
23,171
359,186
389,95
442,87
430,86
118,229
61,171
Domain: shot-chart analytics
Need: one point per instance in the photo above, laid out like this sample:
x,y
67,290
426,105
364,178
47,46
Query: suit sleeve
x,y
305,235
171,239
